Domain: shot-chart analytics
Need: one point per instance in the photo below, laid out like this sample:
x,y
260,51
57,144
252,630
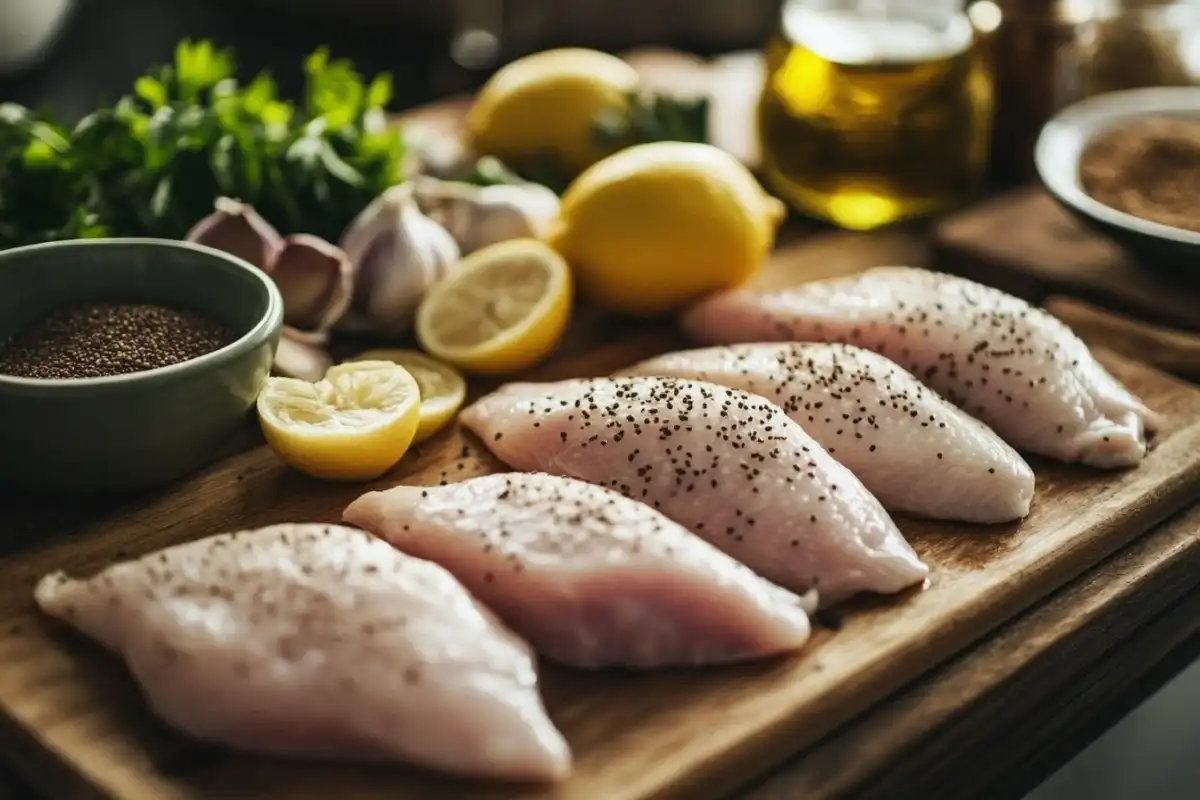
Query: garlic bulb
x,y
398,253
478,216
316,281
237,229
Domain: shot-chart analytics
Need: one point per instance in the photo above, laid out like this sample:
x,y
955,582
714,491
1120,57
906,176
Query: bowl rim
x,y
268,323
1064,137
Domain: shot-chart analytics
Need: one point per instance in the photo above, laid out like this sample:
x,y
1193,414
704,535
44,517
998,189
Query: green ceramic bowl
x,y
130,432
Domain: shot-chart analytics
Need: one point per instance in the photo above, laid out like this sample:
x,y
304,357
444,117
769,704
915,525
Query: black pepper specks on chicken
x,y
913,450
726,464
590,577
1015,367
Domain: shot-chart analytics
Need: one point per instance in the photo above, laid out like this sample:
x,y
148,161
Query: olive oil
x,y
874,112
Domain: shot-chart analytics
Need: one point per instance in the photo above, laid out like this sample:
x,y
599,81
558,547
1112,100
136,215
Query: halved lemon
x,y
443,388
354,424
503,308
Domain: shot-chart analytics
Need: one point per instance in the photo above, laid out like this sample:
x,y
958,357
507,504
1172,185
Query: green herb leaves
x,y
41,198
152,164
647,118
653,118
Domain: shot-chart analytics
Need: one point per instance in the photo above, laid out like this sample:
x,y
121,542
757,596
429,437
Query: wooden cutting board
x,y
72,720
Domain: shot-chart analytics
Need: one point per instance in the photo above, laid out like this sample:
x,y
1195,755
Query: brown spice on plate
x,y
1149,168
102,339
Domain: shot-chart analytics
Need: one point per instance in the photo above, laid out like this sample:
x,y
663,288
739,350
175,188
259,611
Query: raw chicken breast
x,y
913,450
1015,367
590,578
728,465
317,640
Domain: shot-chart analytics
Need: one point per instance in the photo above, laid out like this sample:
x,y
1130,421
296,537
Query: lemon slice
x,y
443,388
501,310
354,424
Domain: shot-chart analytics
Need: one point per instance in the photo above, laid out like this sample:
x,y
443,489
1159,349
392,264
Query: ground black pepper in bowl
x,y
102,339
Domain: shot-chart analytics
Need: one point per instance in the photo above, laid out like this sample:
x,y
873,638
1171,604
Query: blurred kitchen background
x,y
67,51
72,55
432,48
75,54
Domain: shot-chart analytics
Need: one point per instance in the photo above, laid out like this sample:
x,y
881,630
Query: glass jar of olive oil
x,y
874,111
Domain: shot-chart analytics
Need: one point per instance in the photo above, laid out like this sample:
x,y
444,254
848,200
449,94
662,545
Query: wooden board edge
x,y
40,767
1104,277
1137,657
1120,595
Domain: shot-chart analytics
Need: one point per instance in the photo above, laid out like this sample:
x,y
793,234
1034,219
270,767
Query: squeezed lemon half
x,y
443,388
354,424
504,308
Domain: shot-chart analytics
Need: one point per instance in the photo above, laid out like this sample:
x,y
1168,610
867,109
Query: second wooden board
x,y
1056,253
76,717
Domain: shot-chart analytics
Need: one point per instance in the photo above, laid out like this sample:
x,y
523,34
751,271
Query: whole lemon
x,y
546,104
657,226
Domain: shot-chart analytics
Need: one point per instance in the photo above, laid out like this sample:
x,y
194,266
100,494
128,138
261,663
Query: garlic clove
x,y
300,355
537,203
314,338
380,216
442,156
451,204
237,229
481,216
398,254
316,281
403,267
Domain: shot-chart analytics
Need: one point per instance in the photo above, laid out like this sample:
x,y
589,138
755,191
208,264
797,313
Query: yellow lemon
x,y
658,225
443,388
501,310
353,424
545,104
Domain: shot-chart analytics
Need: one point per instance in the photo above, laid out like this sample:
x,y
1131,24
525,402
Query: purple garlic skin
x,y
316,281
300,355
236,228
398,255
314,277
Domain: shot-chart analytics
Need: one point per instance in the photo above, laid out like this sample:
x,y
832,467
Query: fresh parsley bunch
x,y
153,163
